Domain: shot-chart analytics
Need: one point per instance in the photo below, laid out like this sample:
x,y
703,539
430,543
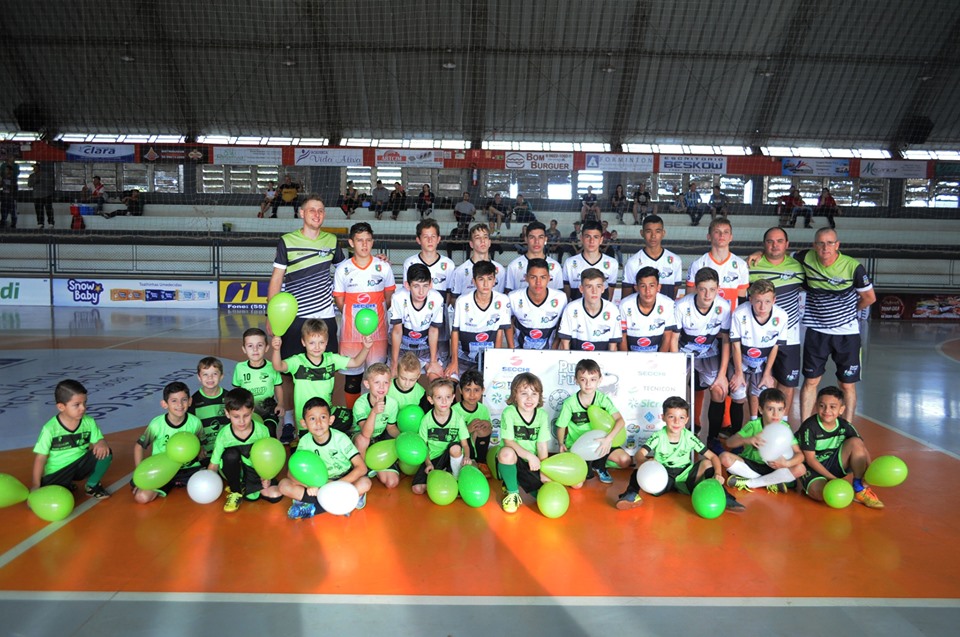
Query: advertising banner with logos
x,y
815,167
884,169
328,157
20,291
245,295
129,293
101,152
610,163
248,155
947,169
699,164
908,307
174,154
636,382
519,160
410,158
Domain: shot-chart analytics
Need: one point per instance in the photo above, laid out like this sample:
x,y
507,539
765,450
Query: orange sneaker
x,y
868,498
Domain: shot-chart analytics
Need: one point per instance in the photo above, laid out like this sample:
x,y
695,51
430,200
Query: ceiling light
x,y
449,65
127,54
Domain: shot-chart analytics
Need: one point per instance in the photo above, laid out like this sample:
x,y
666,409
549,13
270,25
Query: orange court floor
x,y
784,553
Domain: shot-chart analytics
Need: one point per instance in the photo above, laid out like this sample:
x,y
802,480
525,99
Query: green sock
x,y
102,465
508,473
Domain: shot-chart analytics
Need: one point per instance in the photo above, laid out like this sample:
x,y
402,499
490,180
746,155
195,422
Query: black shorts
x,y
833,464
440,463
179,481
528,480
684,479
786,367
79,469
293,339
844,349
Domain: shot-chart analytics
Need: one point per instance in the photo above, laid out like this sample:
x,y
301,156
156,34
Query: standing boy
x,y
734,276
590,322
462,279
480,318
536,246
417,316
535,309
655,255
207,402
757,330
649,321
590,257
257,375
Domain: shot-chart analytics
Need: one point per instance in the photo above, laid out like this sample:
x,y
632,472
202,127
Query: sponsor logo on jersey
x,y
600,331
363,298
414,334
753,352
700,340
483,337
643,341
535,333
657,324
587,346
374,281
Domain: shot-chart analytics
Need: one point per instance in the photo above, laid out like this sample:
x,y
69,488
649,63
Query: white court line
x,y
53,527
912,437
455,600
940,351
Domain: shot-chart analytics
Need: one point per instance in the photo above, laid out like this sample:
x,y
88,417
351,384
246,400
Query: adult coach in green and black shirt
x,y
837,290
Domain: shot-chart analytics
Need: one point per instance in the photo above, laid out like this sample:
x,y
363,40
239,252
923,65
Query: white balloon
x,y
777,442
204,486
586,445
652,477
338,498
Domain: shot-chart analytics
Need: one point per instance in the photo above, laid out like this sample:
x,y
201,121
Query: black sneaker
x,y
286,434
629,500
97,491
733,506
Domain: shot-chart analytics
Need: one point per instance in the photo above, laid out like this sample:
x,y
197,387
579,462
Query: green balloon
x,y
281,310
408,469
408,418
473,486
838,493
12,490
886,471
183,447
52,503
441,487
411,448
308,469
268,457
381,455
553,500
155,471
709,499
603,421
492,453
566,468
366,321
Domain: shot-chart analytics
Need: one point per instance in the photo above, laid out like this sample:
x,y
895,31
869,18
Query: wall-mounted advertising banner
x,y
101,152
636,382
947,169
815,167
19,291
411,158
248,155
538,161
97,292
906,307
699,164
611,163
174,153
248,295
885,169
328,157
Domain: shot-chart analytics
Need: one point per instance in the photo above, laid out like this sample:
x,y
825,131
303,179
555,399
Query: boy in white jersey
x,y
649,323
704,323
536,310
591,322
480,318
441,267
757,329
654,254
732,271
462,279
536,244
359,283
591,234
416,314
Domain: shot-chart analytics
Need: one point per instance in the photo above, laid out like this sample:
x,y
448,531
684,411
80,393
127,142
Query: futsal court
x,y
404,566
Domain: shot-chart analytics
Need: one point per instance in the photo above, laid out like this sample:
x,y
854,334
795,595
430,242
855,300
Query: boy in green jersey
x,y
406,388
257,375
176,401
313,371
231,453
448,444
375,418
70,446
477,417
525,429
341,458
207,402
748,470
573,422
673,446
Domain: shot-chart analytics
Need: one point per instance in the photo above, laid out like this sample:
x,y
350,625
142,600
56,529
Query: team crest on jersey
x,y
718,310
659,309
429,305
669,259
606,265
554,303
606,316
377,267
496,305
776,321
443,266
735,266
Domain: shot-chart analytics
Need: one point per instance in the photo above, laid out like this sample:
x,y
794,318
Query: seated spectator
x,y
268,197
794,203
521,245
398,200
379,199
464,212
553,235
425,201
287,193
642,204
718,203
351,199
827,206
134,203
618,202
497,214
590,208
679,203
97,193
522,211
693,204
604,232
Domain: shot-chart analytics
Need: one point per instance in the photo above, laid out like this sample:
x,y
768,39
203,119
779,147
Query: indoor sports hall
x,y
204,110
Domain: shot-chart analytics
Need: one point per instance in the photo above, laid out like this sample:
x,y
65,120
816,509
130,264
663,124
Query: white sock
x,y
288,417
455,464
740,468
778,476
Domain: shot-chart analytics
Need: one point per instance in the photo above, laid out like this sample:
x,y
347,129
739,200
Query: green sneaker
x,y
233,502
511,503
739,483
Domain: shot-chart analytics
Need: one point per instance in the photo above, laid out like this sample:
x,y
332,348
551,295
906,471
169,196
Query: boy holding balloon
x,y
375,418
445,432
159,437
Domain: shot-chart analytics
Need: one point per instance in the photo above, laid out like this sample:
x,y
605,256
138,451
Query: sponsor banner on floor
x,y
908,307
129,293
538,161
815,167
101,152
636,382
619,162
22,291
328,157
249,295
699,164
411,158
884,169
248,155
